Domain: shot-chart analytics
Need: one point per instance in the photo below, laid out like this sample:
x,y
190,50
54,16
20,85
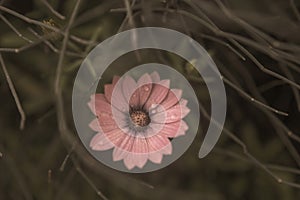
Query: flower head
x,y
138,119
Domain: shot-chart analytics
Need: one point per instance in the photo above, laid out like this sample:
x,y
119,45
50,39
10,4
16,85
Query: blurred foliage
x,y
32,158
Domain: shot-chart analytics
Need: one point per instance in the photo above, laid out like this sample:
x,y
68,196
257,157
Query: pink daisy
x,y
138,119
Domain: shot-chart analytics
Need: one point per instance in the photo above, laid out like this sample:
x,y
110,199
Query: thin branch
x,y
258,34
52,47
254,32
208,23
283,132
63,49
246,152
57,14
270,85
225,44
14,93
246,96
295,91
268,165
41,24
252,99
140,182
94,12
283,168
18,177
90,182
295,9
14,29
30,45
232,38
66,183
132,25
264,69
62,166
61,118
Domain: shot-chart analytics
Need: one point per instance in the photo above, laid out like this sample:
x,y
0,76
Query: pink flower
x,y
138,119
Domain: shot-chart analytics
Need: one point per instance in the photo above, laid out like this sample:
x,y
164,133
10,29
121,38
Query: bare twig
x,y
63,49
234,38
90,182
62,166
61,118
270,85
57,14
225,44
14,93
14,29
283,132
246,152
295,9
41,24
52,47
263,68
240,91
132,25
246,95
295,91
30,45
268,165
18,177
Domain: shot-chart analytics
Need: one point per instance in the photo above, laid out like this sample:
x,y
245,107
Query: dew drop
x,y
173,116
146,88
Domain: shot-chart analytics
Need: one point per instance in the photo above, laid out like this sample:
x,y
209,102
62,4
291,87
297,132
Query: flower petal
x,y
172,98
95,126
145,86
115,136
157,143
155,77
155,157
167,150
158,93
175,129
126,144
108,88
141,160
152,129
119,154
106,118
118,100
129,161
173,114
129,87
96,98
133,159
100,143
140,145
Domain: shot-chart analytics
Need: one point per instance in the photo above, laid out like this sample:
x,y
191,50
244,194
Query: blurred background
x,y
256,46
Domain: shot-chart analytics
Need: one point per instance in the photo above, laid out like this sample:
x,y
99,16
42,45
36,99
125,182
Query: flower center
x,y
140,118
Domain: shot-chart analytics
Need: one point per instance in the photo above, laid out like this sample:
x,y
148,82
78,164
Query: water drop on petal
x,y
173,116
